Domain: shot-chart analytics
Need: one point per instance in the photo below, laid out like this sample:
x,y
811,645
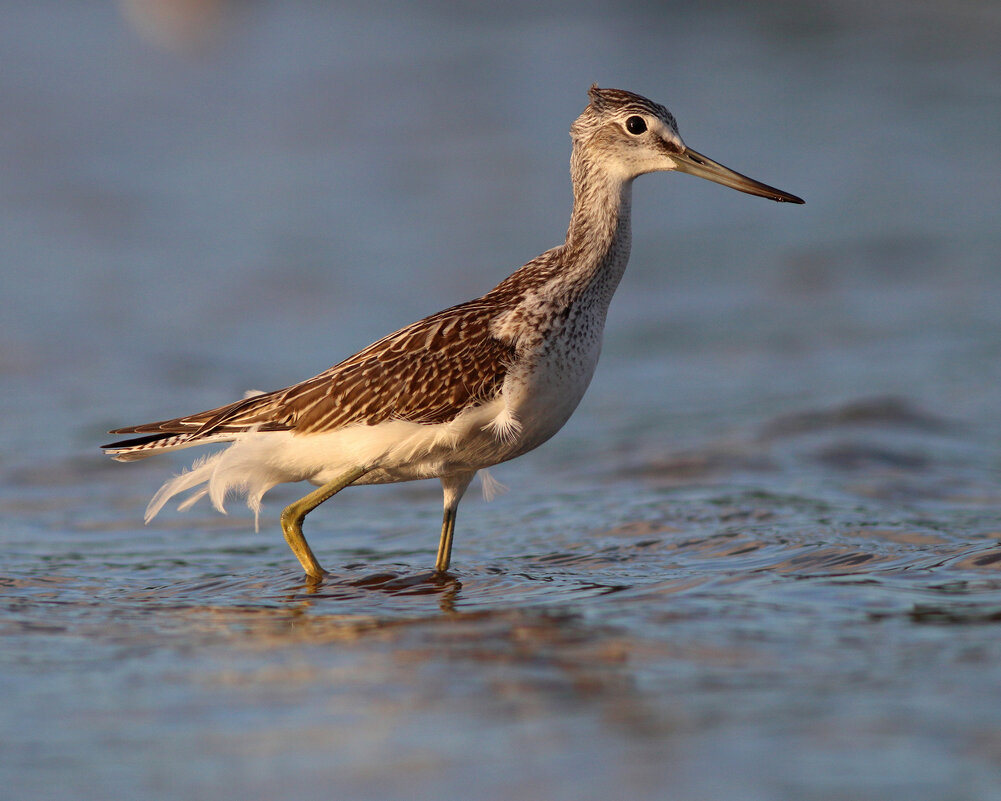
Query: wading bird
x,y
466,388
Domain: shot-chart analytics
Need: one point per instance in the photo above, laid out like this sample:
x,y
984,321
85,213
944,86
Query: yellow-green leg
x,y
295,513
445,543
453,486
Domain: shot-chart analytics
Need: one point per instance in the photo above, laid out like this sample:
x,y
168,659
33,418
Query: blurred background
x,y
200,197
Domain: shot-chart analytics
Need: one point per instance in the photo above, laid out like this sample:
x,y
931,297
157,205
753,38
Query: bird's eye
x,y
636,125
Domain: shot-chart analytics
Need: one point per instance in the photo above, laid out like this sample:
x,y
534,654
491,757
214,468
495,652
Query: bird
x,y
472,386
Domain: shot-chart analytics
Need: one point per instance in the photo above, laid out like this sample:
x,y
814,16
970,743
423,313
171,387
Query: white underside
x,y
400,451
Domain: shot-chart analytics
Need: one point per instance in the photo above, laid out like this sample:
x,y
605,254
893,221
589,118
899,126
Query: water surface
x,y
762,561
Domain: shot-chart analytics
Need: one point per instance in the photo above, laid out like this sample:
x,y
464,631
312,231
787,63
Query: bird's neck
x,y
600,221
600,234
587,267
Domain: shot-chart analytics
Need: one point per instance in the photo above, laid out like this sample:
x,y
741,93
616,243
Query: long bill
x,y
696,164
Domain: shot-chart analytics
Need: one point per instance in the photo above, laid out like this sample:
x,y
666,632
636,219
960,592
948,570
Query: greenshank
x,y
466,388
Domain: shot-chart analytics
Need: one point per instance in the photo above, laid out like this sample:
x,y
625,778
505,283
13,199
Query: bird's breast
x,y
545,386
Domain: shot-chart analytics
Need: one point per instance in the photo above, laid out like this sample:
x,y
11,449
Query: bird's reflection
x,y
444,584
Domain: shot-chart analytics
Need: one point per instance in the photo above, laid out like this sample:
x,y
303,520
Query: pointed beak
x,y
701,167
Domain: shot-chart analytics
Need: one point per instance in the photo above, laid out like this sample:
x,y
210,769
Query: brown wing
x,y
424,373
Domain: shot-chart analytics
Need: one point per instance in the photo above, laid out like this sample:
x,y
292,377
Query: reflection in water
x,y
442,586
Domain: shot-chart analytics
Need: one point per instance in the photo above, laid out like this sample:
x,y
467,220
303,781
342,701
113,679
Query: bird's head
x,y
629,136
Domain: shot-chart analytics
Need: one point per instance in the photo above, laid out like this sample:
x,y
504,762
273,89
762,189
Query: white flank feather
x,y
505,426
492,488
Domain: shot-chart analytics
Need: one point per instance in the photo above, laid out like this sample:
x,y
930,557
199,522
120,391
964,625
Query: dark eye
x,y
636,125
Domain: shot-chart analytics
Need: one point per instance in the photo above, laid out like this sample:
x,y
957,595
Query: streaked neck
x,y
599,236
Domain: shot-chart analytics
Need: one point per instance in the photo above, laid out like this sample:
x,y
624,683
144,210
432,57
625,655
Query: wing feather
x,y
427,372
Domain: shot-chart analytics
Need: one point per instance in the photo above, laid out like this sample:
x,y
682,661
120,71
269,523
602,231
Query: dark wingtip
x,y
136,441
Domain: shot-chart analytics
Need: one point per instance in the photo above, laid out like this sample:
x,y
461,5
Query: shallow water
x,y
762,561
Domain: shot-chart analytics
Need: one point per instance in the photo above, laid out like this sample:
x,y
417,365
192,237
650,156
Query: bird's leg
x,y
453,486
295,513
445,543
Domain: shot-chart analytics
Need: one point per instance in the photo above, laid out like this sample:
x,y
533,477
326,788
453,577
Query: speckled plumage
x,y
469,387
